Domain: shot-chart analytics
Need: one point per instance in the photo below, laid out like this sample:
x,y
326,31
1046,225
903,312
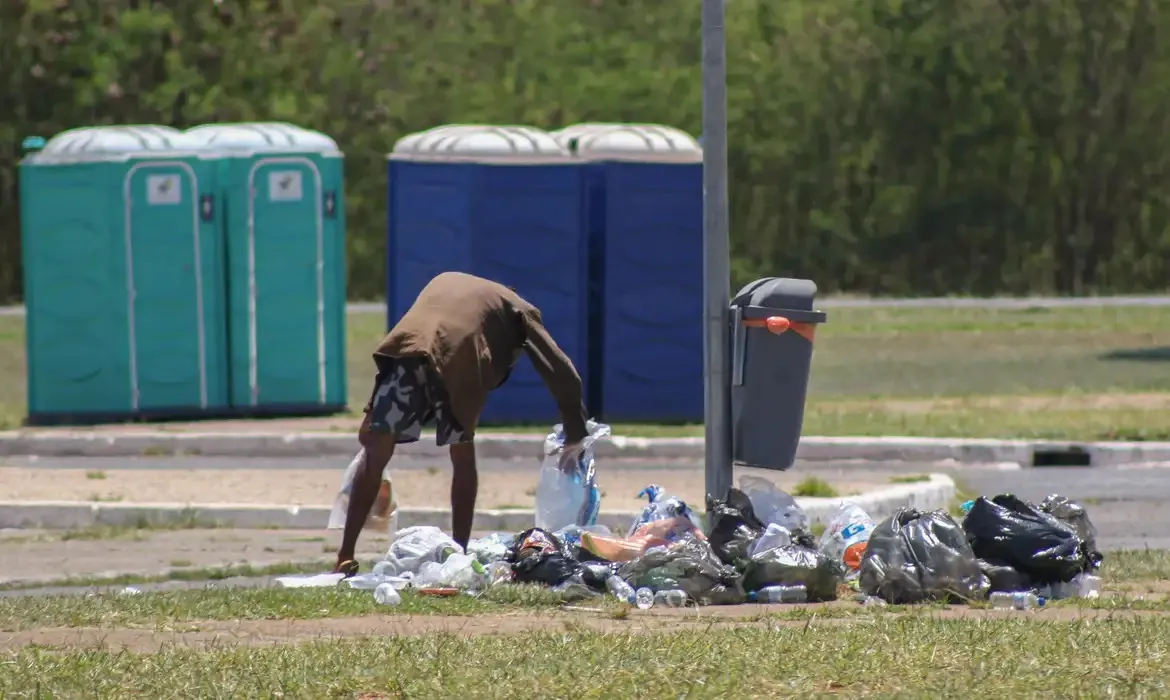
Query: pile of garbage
x,y
757,545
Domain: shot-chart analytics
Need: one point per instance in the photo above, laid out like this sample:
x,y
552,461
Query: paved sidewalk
x,y
40,556
414,488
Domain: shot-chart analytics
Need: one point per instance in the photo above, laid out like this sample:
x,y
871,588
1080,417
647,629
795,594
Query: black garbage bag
x,y
732,527
913,556
595,574
538,556
1010,531
793,565
690,565
549,569
1001,577
1073,513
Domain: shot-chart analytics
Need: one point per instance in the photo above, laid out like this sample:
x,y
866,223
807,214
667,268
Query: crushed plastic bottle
x,y
620,589
499,572
1088,586
387,594
847,536
1021,600
644,598
674,598
780,594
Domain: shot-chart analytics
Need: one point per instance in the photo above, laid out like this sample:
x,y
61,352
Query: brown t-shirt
x,y
472,331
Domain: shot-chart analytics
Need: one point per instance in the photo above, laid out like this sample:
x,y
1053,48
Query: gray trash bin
x,y
773,325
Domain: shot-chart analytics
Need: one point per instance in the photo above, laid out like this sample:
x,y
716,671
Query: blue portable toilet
x,y
644,188
503,203
281,196
122,278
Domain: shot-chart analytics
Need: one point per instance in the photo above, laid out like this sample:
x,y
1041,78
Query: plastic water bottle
x,y
1022,600
644,598
384,568
780,594
621,589
1088,586
674,598
387,594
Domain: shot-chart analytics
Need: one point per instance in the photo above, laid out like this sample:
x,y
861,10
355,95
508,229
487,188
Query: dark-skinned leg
x,y
464,487
379,448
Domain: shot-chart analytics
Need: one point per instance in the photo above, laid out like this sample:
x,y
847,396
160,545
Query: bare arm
x,y
559,375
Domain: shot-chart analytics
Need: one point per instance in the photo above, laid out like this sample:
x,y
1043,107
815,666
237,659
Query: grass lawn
x,y
516,643
1077,373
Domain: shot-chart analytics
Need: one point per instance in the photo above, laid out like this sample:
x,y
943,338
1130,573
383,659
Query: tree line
x,y
907,147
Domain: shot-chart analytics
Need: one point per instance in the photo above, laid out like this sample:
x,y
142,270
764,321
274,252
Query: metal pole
x,y
716,252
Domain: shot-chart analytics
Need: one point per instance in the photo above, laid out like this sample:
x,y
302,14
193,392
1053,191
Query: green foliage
x,y
888,146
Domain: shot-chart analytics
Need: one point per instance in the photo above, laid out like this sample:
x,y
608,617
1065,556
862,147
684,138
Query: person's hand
x,y
569,457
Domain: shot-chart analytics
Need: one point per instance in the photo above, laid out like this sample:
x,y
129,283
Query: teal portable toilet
x,y
123,278
281,189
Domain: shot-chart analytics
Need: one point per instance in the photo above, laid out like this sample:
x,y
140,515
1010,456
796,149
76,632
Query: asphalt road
x,y
1128,504
840,303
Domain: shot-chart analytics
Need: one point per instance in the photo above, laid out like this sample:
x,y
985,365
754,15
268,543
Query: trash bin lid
x,y
109,143
649,143
794,297
258,137
480,143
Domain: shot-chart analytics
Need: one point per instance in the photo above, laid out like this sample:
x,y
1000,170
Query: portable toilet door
x,y
283,189
123,286
647,232
503,203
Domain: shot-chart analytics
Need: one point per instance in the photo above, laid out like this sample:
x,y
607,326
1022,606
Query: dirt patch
x,y
269,632
428,487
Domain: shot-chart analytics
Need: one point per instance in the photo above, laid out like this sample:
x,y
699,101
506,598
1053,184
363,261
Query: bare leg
x,y
464,487
379,448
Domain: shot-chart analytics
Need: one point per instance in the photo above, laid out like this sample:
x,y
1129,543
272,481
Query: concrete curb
x,y
935,493
528,446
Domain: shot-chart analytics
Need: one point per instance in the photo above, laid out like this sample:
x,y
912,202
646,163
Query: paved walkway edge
x,y
937,492
528,446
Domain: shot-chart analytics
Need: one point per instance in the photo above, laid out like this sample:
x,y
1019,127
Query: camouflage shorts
x,y
407,396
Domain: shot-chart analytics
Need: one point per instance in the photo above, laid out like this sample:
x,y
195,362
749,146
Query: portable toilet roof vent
x,y
478,143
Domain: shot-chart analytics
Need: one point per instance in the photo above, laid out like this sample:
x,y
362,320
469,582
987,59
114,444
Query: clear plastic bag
x,y
774,536
573,498
662,506
772,505
847,536
490,548
419,545
383,516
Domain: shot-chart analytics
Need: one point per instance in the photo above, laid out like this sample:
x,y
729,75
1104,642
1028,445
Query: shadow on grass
x,y
1151,354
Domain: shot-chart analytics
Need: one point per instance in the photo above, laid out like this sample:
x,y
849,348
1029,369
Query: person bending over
x,y
459,340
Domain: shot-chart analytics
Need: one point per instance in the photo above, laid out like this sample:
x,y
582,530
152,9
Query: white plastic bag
x,y
847,536
383,516
310,580
419,545
773,505
568,499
